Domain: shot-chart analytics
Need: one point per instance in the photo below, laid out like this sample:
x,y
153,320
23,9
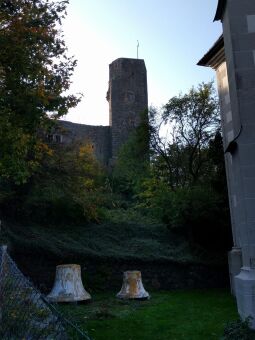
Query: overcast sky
x,y
173,35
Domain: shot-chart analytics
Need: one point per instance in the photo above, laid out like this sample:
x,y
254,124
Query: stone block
x,y
235,264
252,250
237,7
249,207
244,42
251,22
249,188
247,135
227,99
251,237
248,171
245,293
246,254
128,98
228,116
245,79
246,154
239,211
247,112
244,59
238,23
246,96
230,135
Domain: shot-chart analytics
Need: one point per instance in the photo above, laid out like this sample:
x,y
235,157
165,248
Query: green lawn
x,y
189,315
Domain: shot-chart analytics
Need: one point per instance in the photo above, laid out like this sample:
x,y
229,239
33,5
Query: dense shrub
x,y
132,165
199,212
238,330
69,189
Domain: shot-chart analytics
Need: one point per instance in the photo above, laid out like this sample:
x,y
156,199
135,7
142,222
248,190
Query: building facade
x,y
233,58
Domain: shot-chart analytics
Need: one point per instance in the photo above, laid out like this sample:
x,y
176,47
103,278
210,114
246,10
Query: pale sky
x,y
173,35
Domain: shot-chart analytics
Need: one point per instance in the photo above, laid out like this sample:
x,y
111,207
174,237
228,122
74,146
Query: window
x,y
50,138
53,138
58,138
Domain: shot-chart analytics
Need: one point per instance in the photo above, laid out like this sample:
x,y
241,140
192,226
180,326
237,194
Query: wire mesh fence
x,y
24,311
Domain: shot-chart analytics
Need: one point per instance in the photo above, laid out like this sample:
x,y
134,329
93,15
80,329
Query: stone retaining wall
x,y
101,275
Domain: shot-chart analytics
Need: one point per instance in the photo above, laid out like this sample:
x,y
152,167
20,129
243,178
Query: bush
x,y
199,212
69,189
239,330
132,164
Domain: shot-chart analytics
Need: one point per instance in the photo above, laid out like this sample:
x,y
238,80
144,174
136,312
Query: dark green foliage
x,y
194,118
201,214
217,174
187,188
182,159
198,212
123,237
239,330
132,165
69,189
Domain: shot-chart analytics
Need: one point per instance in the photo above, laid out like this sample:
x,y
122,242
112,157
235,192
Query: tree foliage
x,y
35,73
187,188
132,164
193,119
68,188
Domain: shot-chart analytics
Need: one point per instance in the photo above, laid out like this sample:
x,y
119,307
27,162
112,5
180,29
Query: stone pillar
x,y
239,40
128,99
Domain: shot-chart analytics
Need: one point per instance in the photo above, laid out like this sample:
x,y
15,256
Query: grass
x,y
189,315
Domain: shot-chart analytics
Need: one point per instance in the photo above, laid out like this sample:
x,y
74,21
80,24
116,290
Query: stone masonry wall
x,y
98,275
239,40
128,98
98,136
233,176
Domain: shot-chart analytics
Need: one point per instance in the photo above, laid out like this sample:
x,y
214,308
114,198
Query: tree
x,y
35,74
194,120
187,189
68,188
132,164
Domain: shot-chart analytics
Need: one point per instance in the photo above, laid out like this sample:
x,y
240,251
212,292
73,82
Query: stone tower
x,y
128,98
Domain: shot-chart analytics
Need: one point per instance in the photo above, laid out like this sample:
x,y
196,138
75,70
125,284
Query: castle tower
x,y
128,98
